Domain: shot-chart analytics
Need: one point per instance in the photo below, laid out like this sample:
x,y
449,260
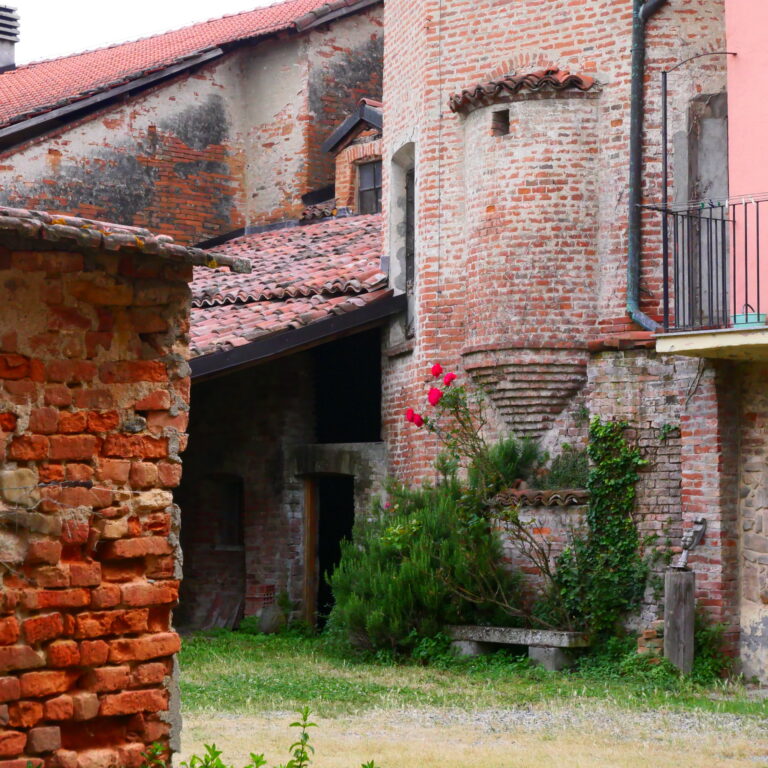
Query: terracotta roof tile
x,y
111,237
42,86
300,275
496,90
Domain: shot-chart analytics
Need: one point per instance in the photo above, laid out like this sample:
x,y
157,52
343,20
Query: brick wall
x,y
248,437
171,159
93,412
521,240
236,141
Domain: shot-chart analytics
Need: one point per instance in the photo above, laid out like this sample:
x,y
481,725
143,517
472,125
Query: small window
x,y
225,496
500,123
369,187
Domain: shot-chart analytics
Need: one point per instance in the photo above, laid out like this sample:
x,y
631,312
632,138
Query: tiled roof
x,y
35,88
526,497
496,90
300,275
110,237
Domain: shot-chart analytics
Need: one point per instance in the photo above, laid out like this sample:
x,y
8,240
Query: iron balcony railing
x,y
715,275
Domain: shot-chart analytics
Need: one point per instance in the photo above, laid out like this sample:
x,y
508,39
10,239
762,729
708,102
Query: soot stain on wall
x,y
122,183
201,125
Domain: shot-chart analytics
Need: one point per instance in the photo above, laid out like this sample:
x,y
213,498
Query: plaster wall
x,y
746,22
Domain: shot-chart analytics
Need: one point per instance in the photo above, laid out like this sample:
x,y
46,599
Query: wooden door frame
x,y
311,531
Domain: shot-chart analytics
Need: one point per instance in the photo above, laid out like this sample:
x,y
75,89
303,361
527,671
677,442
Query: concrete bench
x,y
550,648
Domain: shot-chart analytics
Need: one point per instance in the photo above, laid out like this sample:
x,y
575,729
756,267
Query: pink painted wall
x,y
746,25
746,29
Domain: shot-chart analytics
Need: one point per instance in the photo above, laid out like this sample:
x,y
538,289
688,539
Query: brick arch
x,y
523,61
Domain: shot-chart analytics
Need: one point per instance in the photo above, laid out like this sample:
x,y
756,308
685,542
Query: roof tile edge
x,y
88,233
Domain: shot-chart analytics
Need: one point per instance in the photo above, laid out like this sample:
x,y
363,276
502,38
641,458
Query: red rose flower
x,y
410,414
437,369
418,420
434,396
449,378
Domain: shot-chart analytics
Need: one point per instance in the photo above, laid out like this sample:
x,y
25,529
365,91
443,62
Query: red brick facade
x,y
94,392
521,246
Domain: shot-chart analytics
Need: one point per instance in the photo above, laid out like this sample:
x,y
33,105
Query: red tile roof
x,y
88,233
496,90
42,86
299,275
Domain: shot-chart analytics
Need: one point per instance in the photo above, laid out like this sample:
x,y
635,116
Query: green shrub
x,y
710,662
416,566
568,470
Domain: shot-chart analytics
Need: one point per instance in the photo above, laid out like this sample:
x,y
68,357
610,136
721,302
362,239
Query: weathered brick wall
x,y
242,425
93,411
521,239
171,160
235,142
347,59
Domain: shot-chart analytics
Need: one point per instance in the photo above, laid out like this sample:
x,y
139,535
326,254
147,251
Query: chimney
x,y
9,36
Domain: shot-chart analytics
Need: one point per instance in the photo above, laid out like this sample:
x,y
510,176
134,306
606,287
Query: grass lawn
x,y
241,690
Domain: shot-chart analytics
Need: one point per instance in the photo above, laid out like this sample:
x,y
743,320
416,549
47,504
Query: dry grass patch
x,y
576,737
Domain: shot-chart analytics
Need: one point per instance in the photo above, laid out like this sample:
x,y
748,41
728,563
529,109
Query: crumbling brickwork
x,y
94,394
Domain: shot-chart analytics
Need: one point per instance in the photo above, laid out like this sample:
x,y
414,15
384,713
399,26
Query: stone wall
x,y
94,393
753,533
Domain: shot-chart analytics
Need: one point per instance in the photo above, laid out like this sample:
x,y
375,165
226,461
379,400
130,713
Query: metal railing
x,y
713,265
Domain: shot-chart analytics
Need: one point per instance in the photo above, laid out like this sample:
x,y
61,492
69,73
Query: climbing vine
x,y
602,574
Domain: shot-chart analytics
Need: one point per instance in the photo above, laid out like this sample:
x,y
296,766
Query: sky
x,y
51,28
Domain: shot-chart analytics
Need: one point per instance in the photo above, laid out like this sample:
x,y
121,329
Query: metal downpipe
x,y
641,13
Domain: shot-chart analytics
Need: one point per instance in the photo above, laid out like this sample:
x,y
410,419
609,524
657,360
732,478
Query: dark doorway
x,y
335,517
348,381
213,589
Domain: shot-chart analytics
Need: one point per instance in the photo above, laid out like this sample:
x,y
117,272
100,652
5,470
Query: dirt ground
x,y
598,736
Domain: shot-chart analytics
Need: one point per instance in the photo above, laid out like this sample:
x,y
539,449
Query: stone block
x,y
553,659
19,486
471,648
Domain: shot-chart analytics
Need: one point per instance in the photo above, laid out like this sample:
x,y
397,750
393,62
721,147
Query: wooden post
x,y
679,604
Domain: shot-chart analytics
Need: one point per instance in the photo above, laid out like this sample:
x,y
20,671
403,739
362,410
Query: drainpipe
x,y
641,13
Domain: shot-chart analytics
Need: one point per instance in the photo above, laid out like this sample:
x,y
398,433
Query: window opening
x,y
500,123
369,187
410,245
228,497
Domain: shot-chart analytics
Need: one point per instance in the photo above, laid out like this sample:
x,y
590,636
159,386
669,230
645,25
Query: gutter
x,y
642,12
292,340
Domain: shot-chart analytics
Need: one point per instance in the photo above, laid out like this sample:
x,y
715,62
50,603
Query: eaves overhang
x,y
290,341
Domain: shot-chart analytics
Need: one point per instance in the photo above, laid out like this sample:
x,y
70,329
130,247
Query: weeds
x,y
301,752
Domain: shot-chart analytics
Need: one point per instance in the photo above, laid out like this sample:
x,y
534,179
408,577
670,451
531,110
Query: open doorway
x,y
330,517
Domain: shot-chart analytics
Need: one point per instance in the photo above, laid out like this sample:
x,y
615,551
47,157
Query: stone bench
x,y
550,648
